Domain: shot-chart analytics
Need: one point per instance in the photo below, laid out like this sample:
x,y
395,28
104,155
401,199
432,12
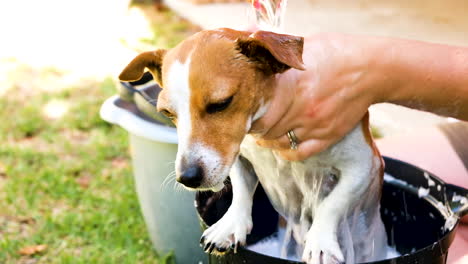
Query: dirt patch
x,y
75,137
3,174
120,163
35,143
21,227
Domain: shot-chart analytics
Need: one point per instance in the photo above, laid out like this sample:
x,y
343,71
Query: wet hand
x,y
328,99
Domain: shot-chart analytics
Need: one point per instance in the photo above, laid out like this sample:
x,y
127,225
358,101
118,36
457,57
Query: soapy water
x,y
274,246
424,193
279,244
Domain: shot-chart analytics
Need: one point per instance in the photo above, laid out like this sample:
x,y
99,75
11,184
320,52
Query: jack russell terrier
x,y
215,85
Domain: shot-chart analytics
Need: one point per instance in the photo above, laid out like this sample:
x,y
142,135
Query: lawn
x,y
66,189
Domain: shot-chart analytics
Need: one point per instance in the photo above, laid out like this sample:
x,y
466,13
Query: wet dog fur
x,y
215,85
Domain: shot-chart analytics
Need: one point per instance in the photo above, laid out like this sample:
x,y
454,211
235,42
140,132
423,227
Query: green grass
x,y
43,201
67,182
167,29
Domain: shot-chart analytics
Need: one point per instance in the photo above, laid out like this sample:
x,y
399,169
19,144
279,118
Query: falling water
x,y
269,14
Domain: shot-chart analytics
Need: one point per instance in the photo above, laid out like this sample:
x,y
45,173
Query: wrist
x,y
385,83
375,82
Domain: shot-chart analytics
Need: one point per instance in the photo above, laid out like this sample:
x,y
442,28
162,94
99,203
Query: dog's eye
x,y
218,107
168,114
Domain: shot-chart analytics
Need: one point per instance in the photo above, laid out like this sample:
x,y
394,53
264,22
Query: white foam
x,y
426,175
460,199
423,192
273,245
392,253
450,222
430,182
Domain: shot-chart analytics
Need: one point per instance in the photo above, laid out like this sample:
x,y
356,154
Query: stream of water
x,y
269,14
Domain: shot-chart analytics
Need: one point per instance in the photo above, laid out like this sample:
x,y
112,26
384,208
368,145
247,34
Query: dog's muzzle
x,y
191,176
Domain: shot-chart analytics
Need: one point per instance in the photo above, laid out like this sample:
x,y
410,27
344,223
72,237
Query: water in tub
x,y
282,245
278,245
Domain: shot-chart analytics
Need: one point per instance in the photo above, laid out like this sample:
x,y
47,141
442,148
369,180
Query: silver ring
x,y
293,141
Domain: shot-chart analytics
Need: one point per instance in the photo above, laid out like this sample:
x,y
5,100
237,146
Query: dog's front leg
x,y
322,246
232,229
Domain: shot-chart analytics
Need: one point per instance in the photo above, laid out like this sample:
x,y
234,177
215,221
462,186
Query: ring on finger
x,y
293,141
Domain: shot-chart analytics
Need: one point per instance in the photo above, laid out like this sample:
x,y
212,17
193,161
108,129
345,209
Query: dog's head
x,y
215,84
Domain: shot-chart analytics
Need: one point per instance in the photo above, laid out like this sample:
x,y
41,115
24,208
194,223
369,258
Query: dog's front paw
x,y
321,247
228,233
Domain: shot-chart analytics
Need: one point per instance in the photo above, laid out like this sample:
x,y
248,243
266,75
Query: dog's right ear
x,y
273,52
151,60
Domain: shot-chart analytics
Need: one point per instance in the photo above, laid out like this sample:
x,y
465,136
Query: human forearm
x,y
424,76
347,73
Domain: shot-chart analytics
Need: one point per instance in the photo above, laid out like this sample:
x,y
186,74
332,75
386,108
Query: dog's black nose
x,y
191,177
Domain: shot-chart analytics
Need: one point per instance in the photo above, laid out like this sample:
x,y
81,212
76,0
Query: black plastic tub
x,y
420,213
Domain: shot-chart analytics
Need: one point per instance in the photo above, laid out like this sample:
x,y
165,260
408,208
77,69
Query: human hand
x,y
326,101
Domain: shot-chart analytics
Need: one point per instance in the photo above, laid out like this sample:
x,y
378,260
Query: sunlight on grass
x,y
82,38
55,109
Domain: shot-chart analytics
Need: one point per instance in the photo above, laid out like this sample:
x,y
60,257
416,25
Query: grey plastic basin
x,y
169,214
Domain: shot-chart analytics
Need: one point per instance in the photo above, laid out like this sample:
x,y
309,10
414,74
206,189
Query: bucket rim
x,y
129,121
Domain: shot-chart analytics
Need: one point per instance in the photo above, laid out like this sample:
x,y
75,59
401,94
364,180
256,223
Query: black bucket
x,y
415,207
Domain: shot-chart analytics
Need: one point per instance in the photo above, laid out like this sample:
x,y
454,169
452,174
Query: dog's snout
x,y
191,177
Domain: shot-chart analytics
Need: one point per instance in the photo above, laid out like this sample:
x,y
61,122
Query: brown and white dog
x,y
215,85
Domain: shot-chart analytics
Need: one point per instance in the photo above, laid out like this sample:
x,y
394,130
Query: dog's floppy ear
x,y
151,60
273,52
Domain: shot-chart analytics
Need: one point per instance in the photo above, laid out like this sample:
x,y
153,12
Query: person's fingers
x,y
289,120
305,150
279,144
278,130
320,123
259,126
